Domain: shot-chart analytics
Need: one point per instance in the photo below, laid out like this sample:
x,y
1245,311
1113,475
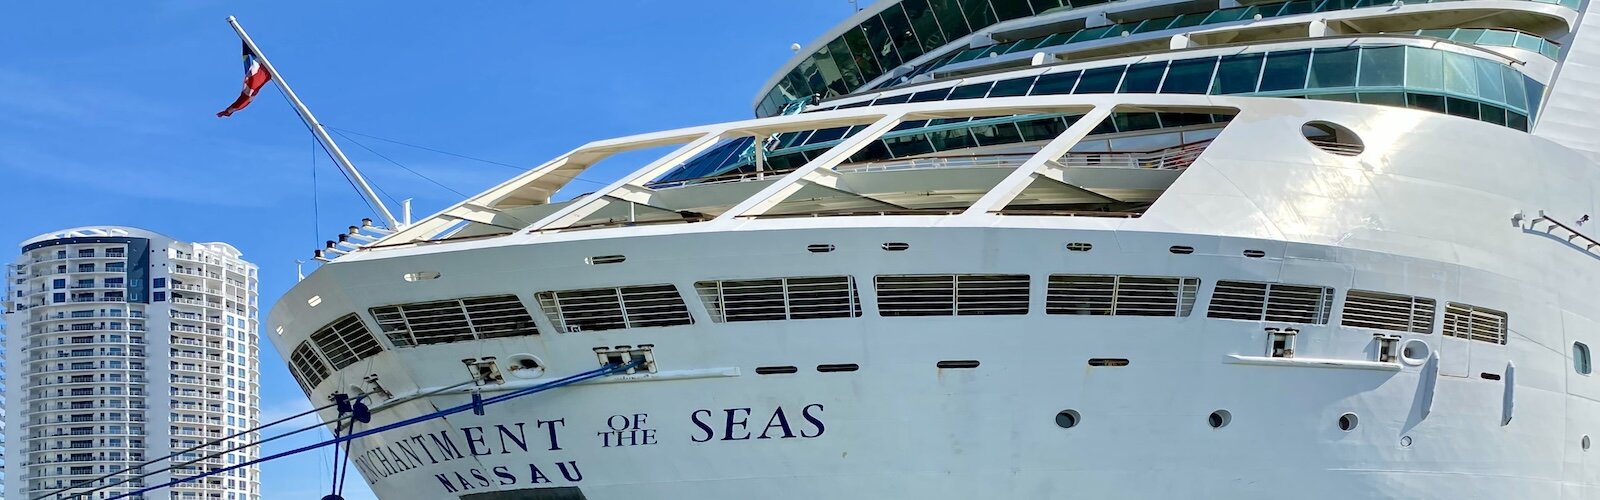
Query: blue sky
x,y
106,114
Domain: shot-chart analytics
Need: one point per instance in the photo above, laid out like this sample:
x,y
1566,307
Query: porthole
x,y
1220,419
775,370
1405,441
1181,249
1585,442
819,248
1068,419
1581,360
896,247
1254,254
1332,138
1079,247
524,366
1415,351
605,259
420,276
1348,422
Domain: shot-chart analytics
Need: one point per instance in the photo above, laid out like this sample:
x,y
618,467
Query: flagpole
x,y
317,130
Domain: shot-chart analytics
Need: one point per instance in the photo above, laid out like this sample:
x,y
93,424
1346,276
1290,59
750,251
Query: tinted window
x,y
930,95
1334,67
1424,68
1238,74
1100,80
1425,101
1042,130
1581,360
1143,78
1012,87
951,20
1055,83
1460,73
1461,107
1383,66
1189,77
974,91
1285,70
893,99
1490,84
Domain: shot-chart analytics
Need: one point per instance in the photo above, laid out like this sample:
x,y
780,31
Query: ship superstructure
x,y
1023,249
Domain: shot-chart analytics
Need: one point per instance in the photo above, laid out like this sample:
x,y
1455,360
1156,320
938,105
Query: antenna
x,y
854,7
378,208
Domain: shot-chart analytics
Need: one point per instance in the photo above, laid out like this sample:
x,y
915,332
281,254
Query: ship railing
x,y
1341,148
930,162
1173,158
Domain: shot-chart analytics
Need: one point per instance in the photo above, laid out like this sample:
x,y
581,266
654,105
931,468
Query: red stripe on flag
x,y
255,77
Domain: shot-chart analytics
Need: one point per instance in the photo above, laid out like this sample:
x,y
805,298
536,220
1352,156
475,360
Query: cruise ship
x,y
1022,249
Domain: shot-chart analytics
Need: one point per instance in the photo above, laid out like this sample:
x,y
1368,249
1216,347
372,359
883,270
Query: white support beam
x,y
599,199
778,191
1018,180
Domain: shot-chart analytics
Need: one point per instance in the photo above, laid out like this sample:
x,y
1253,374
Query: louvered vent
x,y
445,321
306,367
1120,295
947,295
1387,311
1253,301
596,309
1475,323
778,299
345,341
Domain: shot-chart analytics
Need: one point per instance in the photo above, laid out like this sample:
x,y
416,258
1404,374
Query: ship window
x,y
345,341
1285,70
778,299
307,368
1387,311
1100,80
1332,138
930,95
455,320
1277,302
1143,78
1189,77
1475,323
596,309
1581,360
1383,66
1238,74
1333,67
1012,87
1120,295
1056,83
974,91
947,295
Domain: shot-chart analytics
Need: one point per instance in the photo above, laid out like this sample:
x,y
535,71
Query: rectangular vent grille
x,y
1254,301
1387,311
307,368
1120,295
443,321
952,294
1475,323
345,341
596,309
778,299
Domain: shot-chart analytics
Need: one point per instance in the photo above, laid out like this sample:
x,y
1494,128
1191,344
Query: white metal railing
x,y
1173,158
927,162
1338,148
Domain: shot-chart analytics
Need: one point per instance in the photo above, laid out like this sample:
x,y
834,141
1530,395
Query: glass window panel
x,y
900,33
1461,107
832,77
826,135
1012,87
1492,114
893,99
1155,25
1517,121
973,91
1011,9
1491,85
1516,93
1055,83
794,85
1078,4
857,104
1333,67
1026,44
908,125
1100,80
1129,122
1525,41
924,22
874,151
1042,130
931,95
1285,70
952,139
1183,119
1497,37
1090,34
1384,98
1383,66
1189,77
1337,96
1425,101
842,59
1225,15
1460,73
1466,35
1298,7
946,121
951,20
1143,78
862,52
1040,6
979,14
1443,34
995,134
911,145
1118,29
1424,68
880,43
968,55
1188,20
1238,74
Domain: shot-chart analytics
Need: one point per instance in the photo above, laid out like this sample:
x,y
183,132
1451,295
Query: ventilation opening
x,y
819,248
1219,419
1254,254
1254,301
1079,247
1068,419
1387,311
596,309
1332,138
345,341
959,363
896,247
841,367
444,321
1348,422
777,299
1108,361
952,295
1181,250
1089,294
605,259
1475,323
775,370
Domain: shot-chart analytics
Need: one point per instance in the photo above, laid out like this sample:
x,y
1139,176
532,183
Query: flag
x,y
255,77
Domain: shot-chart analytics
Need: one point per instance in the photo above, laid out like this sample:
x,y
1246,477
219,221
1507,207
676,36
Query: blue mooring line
x,y
477,403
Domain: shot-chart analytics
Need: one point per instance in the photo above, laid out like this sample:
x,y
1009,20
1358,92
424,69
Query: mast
x,y
322,134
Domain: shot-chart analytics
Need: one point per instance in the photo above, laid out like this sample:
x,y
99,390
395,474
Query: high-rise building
x,y
126,346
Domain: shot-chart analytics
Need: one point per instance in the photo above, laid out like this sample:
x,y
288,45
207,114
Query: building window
x,y
160,283
58,284
160,297
1581,361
